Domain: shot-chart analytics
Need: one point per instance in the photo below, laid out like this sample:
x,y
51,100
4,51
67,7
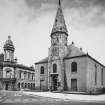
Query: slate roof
x,y
59,24
45,60
73,51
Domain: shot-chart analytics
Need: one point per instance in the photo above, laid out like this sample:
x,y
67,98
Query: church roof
x,y
14,65
45,60
59,24
25,67
74,51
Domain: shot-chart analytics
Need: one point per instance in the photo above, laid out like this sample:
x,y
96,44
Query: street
x,y
18,98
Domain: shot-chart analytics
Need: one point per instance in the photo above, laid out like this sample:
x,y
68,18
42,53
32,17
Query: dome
x,y
9,44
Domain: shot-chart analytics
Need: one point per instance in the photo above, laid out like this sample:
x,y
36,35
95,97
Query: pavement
x,y
44,98
73,97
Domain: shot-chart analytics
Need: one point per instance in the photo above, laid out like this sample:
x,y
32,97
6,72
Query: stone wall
x,y
80,75
41,80
95,69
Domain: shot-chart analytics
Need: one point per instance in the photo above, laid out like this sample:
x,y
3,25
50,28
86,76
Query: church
x,y
67,67
14,76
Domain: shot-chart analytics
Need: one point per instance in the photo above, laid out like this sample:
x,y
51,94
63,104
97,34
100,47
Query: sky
x,y
29,23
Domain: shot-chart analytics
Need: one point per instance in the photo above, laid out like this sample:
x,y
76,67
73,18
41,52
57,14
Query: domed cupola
x,y
9,50
9,44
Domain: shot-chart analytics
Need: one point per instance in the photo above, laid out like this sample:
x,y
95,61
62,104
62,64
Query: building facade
x,y
68,68
14,76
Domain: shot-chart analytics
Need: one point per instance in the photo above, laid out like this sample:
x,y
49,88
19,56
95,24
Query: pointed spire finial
x,y
9,37
59,2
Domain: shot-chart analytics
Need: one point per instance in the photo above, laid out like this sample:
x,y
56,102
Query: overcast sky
x,y
29,22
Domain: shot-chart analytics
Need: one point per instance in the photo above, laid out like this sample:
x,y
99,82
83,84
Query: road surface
x,y
18,98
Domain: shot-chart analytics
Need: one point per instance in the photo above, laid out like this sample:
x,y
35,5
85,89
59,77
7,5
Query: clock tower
x,y
57,52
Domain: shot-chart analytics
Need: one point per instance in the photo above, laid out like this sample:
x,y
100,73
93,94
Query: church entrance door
x,y
74,84
54,81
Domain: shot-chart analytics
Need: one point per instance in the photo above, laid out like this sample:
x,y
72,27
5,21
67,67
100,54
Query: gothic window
x,y
95,74
73,67
54,68
42,70
101,76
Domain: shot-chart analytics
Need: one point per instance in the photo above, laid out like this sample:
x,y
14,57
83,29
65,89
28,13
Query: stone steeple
x,y
59,24
57,52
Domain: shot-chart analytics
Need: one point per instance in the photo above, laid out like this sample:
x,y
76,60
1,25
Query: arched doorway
x,y
54,78
54,82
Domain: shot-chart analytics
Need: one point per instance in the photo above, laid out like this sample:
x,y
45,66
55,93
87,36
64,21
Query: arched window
x,y
74,67
8,73
31,86
42,70
54,68
25,85
28,85
22,84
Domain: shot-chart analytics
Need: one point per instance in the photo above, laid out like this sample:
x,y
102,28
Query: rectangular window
x,y
32,76
95,74
24,74
28,75
102,77
19,74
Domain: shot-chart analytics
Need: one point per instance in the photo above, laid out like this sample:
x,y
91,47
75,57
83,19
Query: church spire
x,y
59,2
59,24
